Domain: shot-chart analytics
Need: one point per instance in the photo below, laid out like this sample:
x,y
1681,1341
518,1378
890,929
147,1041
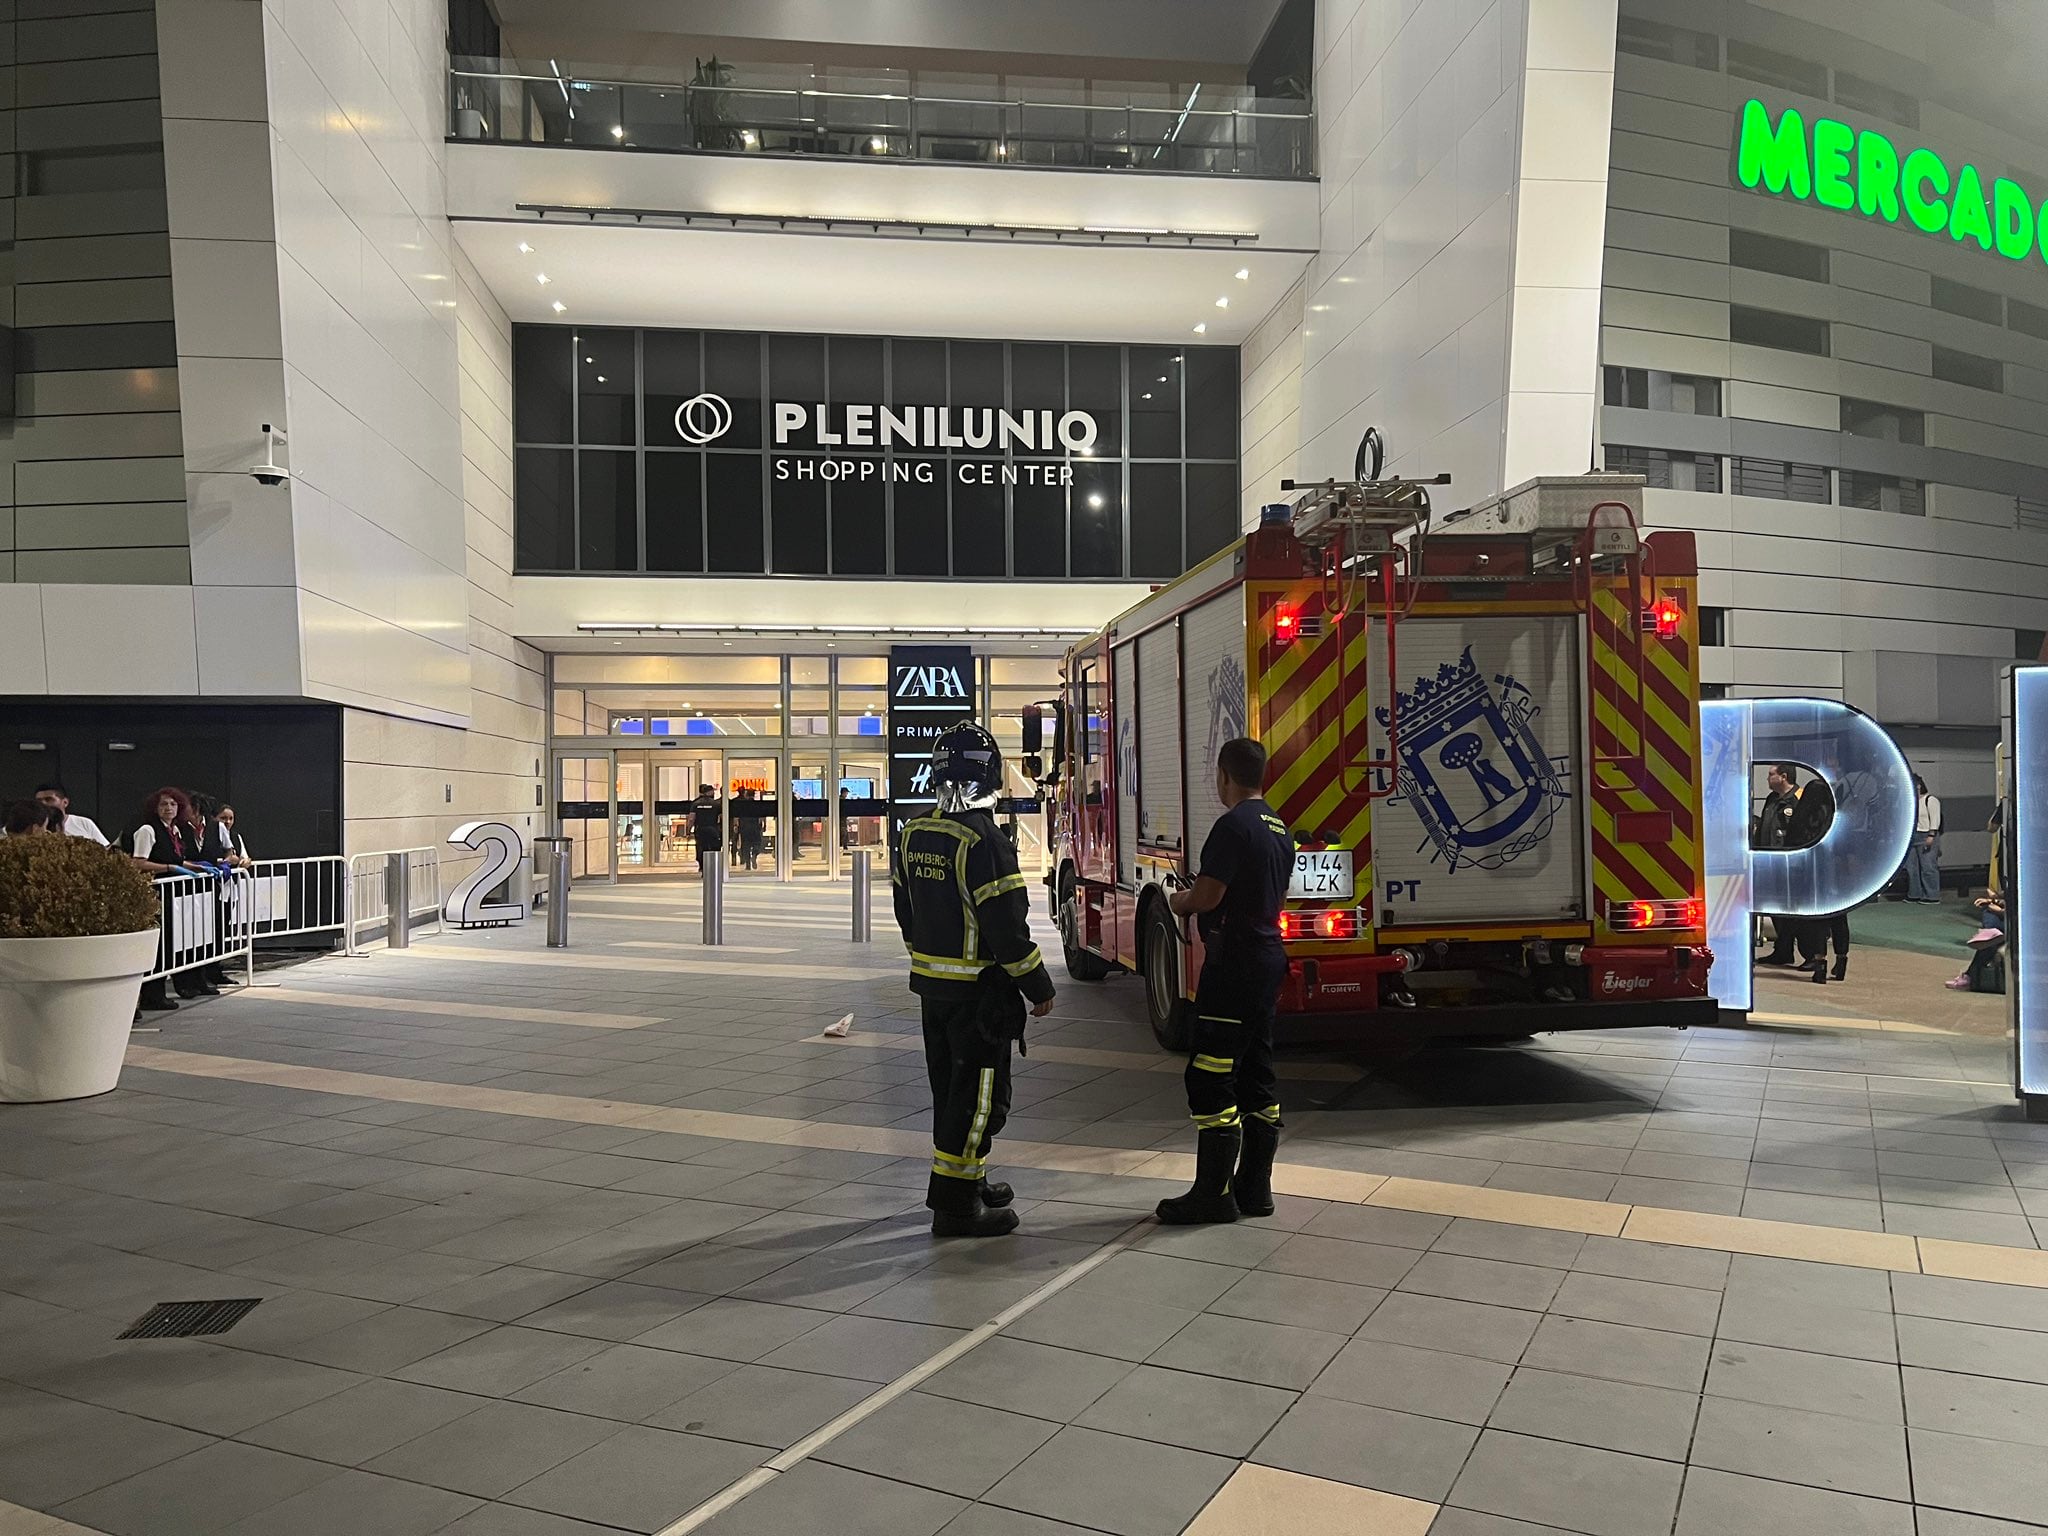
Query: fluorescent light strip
x,y
1093,233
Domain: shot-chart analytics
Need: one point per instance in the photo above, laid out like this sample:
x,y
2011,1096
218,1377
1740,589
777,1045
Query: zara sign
x,y
931,687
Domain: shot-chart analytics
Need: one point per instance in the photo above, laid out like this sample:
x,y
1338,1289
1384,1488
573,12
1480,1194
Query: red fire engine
x,y
1484,732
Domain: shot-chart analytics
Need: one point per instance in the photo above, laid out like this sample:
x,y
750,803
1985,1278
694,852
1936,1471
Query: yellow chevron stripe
x,y
1307,762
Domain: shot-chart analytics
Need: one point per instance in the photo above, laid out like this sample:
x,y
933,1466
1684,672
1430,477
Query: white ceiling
x,y
864,284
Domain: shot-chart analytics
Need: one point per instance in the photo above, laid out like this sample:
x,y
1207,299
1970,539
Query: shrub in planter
x,y
77,933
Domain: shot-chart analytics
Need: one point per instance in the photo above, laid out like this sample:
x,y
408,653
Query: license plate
x,y
1321,873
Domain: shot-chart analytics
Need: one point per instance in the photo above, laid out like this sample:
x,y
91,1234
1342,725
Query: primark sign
x,y
705,418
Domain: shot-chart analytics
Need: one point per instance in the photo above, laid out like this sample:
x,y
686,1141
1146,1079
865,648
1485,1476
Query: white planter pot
x,y
65,1009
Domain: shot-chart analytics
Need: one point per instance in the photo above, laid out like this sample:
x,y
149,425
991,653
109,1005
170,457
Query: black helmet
x,y
966,758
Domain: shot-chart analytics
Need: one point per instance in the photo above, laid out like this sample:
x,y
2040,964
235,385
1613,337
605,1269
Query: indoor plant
x,y
78,931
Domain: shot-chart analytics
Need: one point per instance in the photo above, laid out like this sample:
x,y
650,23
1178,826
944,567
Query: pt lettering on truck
x,y
1395,889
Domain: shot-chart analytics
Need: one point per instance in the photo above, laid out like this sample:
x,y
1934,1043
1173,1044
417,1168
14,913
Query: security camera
x,y
270,472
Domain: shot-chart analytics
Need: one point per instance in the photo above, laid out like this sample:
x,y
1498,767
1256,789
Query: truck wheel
x,y
1164,1005
1082,964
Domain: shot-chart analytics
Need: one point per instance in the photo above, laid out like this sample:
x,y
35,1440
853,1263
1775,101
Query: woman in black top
x,y
166,842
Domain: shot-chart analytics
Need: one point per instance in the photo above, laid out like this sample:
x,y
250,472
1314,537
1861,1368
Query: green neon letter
x,y
2012,219
1777,158
1832,142
2041,245
1970,217
1877,177
1924,169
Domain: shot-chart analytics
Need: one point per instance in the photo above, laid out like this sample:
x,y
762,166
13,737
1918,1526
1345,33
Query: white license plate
x,y
1321,873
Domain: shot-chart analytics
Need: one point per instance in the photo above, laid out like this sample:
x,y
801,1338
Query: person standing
x,y
1232,1093
1811,817
164,843
1772,828
962,905
56,797
704,830
1923,854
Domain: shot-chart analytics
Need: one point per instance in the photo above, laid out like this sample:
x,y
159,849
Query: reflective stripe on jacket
x,y
963,906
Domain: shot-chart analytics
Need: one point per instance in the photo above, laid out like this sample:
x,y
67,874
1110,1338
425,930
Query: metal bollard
x,y
714,898
558,890
862,929
397,901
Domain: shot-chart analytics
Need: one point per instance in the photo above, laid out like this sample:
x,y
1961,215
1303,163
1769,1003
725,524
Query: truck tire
x,y
1082,964
1165,1008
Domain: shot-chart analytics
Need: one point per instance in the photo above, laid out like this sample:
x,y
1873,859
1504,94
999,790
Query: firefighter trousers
x,y
970,1077
1230,1073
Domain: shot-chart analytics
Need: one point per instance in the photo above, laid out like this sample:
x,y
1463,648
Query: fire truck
x,y
1483,730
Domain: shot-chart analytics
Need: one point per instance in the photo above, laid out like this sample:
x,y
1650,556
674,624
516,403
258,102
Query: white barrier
x,y
205,921
369,902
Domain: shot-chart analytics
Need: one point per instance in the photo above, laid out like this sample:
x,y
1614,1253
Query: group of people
x,y
749,835
1796,815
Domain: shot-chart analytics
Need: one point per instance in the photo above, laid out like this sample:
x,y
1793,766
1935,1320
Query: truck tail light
x,y
1286,623
1322,923
1638,916
1663,617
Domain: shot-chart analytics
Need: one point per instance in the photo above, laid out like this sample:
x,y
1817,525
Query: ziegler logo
x,y
919,682
1609,982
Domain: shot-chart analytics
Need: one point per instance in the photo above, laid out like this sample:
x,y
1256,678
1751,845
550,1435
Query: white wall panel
x,y
128,640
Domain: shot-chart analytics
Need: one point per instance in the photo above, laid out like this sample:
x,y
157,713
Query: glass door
x,y
862,796
583,812
629,812
810,810
755,816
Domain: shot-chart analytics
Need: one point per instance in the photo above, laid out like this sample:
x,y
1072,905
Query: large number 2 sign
x,y
466,906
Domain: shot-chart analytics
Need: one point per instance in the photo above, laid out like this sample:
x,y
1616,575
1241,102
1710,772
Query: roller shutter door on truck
x,y
1159,756
1213,703
1487,824
1124,688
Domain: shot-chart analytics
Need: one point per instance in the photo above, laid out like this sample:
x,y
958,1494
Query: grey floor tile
x,y
1432,1382
758,1405
1376,1224
1380,1265
1243,1349
1796,1280
818,1497
1399,1453
1723,1504
1458,1327
1982,1477
494,1450
1813,1210
1296,1299
389,1340
364,1422
864,1348
1794,1445
1818,1326
935,1442
1970,1301
2012,1230
1161,1279
640,1479
1573,1487
1490,1281
355,1503
1639,1303
53,1449
731,1329
1983,1406
1242,1243
199,1494
617,1310
1973,1348
626,1381
1698,1268
1470,1522
500,1362
505,1294
1513,1244
1113,1483
1791,1378
1612,1415
1101,1325
200,1385
988,1520
1201,1413
1024,1377
1947,1522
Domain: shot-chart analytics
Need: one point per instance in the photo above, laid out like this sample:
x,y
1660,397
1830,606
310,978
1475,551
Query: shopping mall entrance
x,y
791,748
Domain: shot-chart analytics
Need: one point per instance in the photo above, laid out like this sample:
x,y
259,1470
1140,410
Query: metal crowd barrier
x,y
206,921
369,898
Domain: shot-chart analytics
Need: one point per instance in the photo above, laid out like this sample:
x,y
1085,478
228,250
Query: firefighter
x,y
962,906
1232,1094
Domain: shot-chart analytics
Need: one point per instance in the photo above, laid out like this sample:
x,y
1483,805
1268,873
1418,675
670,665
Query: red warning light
x,y
1286,623
1695,914
1334,924
1290,925
1664,616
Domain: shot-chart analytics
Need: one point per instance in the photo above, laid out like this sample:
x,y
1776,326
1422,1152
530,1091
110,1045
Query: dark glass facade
x,y
752,454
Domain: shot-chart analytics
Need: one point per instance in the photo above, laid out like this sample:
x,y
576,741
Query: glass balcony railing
x,y
1213,130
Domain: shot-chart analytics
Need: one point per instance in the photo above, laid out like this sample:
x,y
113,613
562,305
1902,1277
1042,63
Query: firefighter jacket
x,y
963,907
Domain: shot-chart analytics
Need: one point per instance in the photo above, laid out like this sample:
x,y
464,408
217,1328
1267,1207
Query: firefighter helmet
x,y
967,767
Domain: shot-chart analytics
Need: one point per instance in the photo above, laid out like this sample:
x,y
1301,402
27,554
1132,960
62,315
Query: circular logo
x,y
701,418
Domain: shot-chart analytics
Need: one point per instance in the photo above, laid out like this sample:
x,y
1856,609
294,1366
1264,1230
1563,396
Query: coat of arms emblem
x,y
1470,763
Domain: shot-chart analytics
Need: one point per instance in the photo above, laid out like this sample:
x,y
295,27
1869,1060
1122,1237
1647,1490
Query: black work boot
x,y
996,1194
1253,1185
959,1211
1210,1199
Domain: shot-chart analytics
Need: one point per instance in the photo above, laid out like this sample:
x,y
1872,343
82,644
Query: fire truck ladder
x,y
1354,528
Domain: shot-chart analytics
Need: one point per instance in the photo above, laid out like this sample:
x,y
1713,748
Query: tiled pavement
x,y
486,1322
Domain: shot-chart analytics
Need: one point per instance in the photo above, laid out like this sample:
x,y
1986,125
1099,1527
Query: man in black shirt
x,y
1236,898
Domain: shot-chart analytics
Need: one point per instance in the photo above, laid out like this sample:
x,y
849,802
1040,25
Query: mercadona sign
x,y
1861,170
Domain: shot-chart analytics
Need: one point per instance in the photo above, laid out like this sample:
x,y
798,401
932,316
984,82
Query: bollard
x,y
558,890
397,901
714,898
862,932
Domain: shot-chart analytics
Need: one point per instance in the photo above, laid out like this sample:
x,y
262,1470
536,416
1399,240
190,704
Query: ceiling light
x,y
590,359
1176,357
1202,330
618,642
1118,229
1244,274
618,130
542,278
1146,396
525,249
878,145
746,136
559,306
1095,500
1162,378
600,378
1223,303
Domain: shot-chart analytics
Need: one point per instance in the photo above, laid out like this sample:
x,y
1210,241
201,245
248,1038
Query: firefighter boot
x,y
1253,1185
995,1194
1210,1199
959,1211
